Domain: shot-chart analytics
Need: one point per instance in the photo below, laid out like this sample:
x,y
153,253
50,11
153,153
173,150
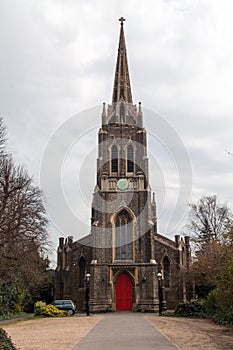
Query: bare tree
x,y
23,224
22,211
2,136
209,220
211,228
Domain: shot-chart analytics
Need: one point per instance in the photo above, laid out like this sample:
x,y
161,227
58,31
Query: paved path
x,y
123,330
19,318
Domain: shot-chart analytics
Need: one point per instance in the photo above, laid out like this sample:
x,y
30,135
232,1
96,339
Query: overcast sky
x,y
58,59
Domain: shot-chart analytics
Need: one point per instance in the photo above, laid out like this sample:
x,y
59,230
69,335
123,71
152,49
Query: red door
x,y
124,293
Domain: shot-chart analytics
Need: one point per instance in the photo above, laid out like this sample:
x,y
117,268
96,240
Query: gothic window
x,y
113,120
166,269
122,113
130,159
114,159
81,272
123,236
130,120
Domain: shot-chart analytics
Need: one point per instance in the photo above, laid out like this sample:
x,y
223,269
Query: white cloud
x,y
58,58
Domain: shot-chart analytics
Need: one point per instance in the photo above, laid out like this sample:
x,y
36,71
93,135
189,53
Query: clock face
x,y
122,184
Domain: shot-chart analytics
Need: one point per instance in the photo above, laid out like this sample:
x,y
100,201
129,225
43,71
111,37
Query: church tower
x,y
123,217
123,253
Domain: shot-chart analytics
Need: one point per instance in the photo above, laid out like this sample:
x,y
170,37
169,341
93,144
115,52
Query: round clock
x,y
122,184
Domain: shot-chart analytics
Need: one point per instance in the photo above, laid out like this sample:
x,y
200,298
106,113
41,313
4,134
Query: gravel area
x,y
50,333
189,334
65,333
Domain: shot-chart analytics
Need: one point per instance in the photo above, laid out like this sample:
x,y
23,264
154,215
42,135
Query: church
x,y
130,264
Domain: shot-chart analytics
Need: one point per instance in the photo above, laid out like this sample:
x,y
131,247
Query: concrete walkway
x,y
124,330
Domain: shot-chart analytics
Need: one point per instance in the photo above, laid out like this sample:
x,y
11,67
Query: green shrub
x,y
8,300
24,299
13,299
211,303
194,308
219,306
224,318
5,341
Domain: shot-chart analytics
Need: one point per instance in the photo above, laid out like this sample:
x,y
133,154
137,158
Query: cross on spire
x,y
122,19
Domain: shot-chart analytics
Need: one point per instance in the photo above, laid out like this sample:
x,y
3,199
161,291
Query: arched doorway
x,y
124,293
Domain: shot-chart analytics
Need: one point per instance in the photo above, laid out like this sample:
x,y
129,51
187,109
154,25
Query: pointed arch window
x,y
81,272
114,159
130,159
130,120
123,236
167,271
113,120
122,112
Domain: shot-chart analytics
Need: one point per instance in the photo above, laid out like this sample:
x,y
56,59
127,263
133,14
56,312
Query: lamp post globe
x,y
87,292
160,292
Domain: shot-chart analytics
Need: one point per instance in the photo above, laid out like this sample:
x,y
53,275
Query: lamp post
x,y
87,292
160,290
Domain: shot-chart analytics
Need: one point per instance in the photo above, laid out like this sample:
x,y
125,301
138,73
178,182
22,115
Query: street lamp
x,y
160,290
88,292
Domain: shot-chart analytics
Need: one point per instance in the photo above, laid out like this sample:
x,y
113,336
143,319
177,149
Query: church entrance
x,y
124,291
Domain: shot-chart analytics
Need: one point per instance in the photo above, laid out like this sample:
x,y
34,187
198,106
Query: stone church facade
x,y
123,252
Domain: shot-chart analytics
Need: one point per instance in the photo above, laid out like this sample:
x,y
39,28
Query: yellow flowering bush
x,y
39,308
52,311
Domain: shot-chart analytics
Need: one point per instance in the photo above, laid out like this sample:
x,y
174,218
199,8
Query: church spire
x,y
121,88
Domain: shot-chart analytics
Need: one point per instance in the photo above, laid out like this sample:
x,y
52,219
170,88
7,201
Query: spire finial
x,y
121,88
122,19
104,115
153,198
104,110
140,108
